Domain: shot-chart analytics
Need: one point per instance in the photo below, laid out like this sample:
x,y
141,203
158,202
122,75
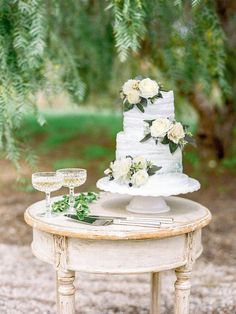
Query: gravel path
x,y
27,286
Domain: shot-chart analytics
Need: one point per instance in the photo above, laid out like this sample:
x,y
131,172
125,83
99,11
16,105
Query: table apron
x,y
116,257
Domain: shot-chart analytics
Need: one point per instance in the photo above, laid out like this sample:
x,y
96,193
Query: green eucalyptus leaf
x,y
146,137
155,168
143,102
82,210
185,127
149,122
173,147
127,106
190,140
140,107
81,202
165,140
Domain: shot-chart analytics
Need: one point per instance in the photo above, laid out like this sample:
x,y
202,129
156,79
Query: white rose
x,y
141,160
121,168
148,88
133,96
176,133
160,127
107,171
139,178
129,86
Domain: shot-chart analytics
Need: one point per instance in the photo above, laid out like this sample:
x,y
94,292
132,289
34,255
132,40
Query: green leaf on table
x,y
82,211
82,199
60,206
92,196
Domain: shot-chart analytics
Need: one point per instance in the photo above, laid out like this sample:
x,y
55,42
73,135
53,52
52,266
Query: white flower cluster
x,y
163,126
169,132
135,90
133,171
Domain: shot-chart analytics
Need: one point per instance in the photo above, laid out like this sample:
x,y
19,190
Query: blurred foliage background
x,y
62,64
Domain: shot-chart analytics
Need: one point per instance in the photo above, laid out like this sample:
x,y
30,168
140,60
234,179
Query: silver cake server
x,y
105,222
164,220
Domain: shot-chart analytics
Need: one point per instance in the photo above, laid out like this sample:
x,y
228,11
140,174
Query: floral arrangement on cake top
x,y
133,171
168,132
137,92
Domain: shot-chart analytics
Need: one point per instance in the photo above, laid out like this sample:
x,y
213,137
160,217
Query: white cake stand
x,y
149,198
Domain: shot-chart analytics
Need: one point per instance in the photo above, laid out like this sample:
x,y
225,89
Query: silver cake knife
x,y
105,222
164,220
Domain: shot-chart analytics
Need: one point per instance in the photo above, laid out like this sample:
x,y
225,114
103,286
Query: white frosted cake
x,y
149,149
128,141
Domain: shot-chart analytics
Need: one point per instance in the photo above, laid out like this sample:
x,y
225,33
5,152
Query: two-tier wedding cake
x,y
148,160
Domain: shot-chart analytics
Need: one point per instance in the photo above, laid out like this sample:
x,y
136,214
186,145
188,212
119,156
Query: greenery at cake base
x,y
133,171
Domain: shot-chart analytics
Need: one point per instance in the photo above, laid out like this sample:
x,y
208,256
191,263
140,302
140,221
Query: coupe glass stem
x,y
71,200
48,213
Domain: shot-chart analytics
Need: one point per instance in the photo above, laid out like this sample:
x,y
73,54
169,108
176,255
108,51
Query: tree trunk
x,y
215,131
216,124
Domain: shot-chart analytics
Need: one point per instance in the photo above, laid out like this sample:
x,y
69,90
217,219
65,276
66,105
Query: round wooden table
x,y
72,246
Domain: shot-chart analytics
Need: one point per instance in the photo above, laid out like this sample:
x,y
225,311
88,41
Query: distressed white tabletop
x,y
188,216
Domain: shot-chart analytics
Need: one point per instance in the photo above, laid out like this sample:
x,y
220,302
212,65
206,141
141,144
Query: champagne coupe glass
x,y
72,177
47,182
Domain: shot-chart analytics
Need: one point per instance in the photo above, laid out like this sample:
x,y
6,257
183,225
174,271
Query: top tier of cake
x,y
128,141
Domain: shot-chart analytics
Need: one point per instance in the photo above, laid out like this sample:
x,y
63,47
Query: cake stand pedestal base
x,y
148,205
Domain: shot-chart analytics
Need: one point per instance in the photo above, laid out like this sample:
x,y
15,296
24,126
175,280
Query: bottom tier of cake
x,y
157,185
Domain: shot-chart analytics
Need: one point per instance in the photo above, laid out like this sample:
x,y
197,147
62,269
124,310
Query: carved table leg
x,y
182,290
65,292
155,293
57,294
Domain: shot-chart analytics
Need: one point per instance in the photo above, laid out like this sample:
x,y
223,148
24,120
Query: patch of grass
x,y
97,151
85,140
192,158
68,163
59,128
230,163
102,166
